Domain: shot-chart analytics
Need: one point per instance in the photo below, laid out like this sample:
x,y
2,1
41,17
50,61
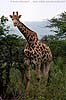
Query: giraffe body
x,y
38,51
35,51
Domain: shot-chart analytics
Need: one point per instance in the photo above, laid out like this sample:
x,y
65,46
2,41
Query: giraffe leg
x,y
27,77
27,62
46,70
38,74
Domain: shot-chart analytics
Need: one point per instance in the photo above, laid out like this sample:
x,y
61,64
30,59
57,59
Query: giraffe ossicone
x,y
35,51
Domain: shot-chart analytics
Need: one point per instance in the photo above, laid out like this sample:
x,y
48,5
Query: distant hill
x,y
39,27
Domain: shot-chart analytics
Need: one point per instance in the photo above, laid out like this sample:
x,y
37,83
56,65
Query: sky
x,y
33,10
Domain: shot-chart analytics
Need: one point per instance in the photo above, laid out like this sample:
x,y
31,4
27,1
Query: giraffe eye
x,y
12,18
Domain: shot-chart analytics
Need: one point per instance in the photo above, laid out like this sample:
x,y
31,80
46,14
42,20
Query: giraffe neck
x,y
28,34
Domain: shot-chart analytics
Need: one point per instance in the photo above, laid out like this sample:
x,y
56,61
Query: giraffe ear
x,y
10,16
20,16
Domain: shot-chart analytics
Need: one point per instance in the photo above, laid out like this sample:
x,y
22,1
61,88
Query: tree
x,y
3,28
59,25
3,31
11,55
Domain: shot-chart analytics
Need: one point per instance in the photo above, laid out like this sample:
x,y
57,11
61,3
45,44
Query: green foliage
x,y
60,25
57,87
3,28
11,55
58,48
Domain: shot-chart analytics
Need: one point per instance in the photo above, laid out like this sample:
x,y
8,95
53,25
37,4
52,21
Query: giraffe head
x,y
15,18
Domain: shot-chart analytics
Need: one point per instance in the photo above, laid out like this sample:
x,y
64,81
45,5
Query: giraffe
x,y
35,51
